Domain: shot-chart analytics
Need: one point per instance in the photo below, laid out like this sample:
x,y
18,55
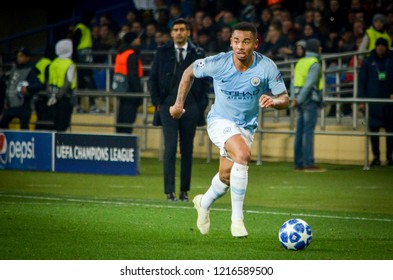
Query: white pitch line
x,y
109,202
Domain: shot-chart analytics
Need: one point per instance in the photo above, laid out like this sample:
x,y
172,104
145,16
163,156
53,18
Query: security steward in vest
x,y
21,85
127,79
83,54
62,84
376,31
307,88
43,111
167,68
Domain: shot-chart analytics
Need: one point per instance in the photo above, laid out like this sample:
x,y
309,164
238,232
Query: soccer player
x,y
244,80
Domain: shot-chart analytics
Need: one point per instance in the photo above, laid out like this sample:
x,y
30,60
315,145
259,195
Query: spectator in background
x,y
208,25
376,81
125,28
22,84
137,27
330,44
106,19
83,45
346,42
247,11
319,25
127,79
95,35
45,114
131,16
358,30
309,32
175,12
148,41
336,16
375,31
62,85
159,6
162,37
263,22
300,49
106,42
168,66
163,19
205,40
273,42
223,40
289,48
307,94
196,25
226,18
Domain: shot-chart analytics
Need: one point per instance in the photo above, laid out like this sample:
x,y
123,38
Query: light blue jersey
x,y
237,93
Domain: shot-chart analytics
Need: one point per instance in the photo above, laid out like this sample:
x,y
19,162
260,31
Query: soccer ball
x,y
295,234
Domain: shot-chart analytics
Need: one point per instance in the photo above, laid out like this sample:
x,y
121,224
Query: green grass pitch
x,y
64,216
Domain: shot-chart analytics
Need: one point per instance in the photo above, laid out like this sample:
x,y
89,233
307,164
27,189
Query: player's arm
x,y
280,101
187,79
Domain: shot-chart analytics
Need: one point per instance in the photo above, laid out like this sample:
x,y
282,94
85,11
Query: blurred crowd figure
x,y
21,84
338,25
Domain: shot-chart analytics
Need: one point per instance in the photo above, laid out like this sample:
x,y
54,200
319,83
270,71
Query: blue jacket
x,y
371,86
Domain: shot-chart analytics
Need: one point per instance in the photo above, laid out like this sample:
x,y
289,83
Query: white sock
x,y
239,181
216,190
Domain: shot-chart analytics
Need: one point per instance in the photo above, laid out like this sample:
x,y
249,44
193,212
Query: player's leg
x,y
216,190
239,150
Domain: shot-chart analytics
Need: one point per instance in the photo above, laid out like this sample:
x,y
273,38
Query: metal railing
x,y
333,93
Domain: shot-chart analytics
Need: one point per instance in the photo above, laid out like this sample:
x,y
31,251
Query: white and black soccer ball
x,y
295,234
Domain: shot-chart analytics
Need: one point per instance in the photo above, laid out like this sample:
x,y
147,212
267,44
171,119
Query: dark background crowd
x,y
339,25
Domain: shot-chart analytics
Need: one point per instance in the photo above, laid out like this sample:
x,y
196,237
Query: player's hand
x,y
176,111
266,101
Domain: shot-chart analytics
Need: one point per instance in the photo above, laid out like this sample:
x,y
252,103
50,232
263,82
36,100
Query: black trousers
x,y
128,110
44,113
62,113
375,141
7,118
183,131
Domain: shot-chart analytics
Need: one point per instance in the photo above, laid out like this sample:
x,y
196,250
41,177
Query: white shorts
x,y
220,130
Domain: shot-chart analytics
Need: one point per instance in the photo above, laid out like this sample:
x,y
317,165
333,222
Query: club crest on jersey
x,y
255,81
201,63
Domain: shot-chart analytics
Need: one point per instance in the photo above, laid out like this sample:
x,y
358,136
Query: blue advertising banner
x,y
92,153
24,150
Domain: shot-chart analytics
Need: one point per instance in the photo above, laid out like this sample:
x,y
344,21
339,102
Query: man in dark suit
x,y
166,72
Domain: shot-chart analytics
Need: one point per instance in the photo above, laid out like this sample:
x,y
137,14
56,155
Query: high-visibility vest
x,y
120,72
374,35
86,41
41,66
58,72
301,70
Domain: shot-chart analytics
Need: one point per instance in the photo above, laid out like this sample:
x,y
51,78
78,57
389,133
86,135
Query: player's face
x,y
179,34
243,44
